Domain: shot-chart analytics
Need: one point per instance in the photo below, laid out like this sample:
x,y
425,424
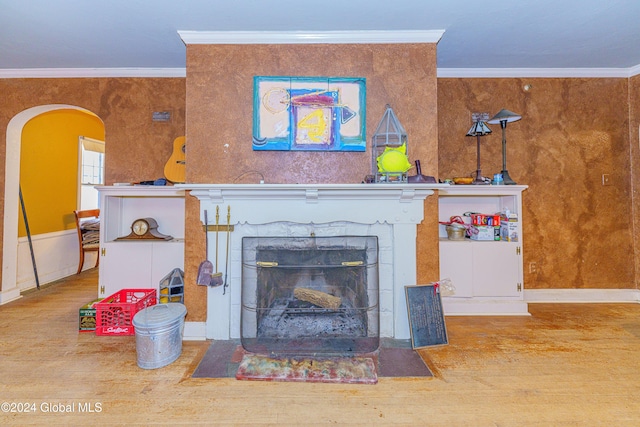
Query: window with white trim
x,y
91,171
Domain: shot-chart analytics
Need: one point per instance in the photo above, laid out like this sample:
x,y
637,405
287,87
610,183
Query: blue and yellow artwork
x,y
309,113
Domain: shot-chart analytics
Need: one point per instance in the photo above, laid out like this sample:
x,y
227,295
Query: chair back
x,y
83,216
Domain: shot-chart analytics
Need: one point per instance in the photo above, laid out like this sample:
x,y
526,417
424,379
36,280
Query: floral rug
x,y
350,370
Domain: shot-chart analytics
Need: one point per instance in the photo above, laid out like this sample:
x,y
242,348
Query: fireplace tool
x,y
216,278
205,270
226,262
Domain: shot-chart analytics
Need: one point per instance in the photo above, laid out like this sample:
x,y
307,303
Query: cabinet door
x,y
497,268
166,257
125,265
456,264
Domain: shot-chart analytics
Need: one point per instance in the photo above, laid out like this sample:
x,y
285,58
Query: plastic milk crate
x,y
114,314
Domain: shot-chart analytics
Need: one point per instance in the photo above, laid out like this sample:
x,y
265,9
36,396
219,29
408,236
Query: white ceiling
x,y
487,34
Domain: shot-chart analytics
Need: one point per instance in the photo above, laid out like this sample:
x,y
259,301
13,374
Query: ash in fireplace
x,y
292,318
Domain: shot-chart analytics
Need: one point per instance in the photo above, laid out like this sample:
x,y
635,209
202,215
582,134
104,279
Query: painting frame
x,y
309,113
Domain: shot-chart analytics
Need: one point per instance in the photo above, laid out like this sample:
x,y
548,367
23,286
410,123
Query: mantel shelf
x,y
317,203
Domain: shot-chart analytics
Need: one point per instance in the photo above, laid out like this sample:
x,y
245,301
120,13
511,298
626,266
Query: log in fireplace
x,y
310,295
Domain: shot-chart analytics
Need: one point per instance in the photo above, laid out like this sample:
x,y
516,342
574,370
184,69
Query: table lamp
x,y
503,117
478,129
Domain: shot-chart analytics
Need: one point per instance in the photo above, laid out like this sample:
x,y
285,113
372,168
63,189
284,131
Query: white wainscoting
x,y
56,256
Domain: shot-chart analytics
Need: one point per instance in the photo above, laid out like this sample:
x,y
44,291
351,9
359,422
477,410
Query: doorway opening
x,y
12,257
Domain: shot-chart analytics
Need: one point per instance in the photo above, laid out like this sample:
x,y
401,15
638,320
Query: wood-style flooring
x,y
565,365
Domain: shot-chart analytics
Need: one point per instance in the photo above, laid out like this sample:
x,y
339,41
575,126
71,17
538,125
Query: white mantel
x,y
390,211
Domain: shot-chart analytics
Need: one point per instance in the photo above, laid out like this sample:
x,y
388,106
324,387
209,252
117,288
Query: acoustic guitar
x,y
174,169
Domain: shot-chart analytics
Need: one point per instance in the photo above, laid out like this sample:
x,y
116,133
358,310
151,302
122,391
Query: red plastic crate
x,y
114,314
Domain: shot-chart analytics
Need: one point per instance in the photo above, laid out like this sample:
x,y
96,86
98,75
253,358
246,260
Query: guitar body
x,y
174,169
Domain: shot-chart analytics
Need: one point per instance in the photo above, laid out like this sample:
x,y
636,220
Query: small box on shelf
x,y
484,232
492,220
509,227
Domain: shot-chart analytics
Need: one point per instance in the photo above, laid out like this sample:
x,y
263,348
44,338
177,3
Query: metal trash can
x,y
158,332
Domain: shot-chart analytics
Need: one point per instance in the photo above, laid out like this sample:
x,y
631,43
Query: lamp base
x,y
479,180
506,178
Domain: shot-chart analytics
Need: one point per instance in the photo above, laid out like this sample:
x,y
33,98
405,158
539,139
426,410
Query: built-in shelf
x,y
486,274
139,263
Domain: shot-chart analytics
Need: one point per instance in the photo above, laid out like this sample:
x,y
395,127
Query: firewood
x,y
319,298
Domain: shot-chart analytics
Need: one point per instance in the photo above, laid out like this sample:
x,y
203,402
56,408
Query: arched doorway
x,y
10,289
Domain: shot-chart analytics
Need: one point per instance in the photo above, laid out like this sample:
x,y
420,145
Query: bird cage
x,y
390,161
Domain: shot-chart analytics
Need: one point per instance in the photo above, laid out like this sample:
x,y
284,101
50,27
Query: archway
x,y
10,290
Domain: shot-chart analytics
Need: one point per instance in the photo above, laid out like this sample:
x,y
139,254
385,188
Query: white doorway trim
x,y
9,290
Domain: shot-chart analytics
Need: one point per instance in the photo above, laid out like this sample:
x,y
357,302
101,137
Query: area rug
x,y
395,358
349,370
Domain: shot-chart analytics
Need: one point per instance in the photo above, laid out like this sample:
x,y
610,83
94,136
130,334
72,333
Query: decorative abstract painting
x,y
309,113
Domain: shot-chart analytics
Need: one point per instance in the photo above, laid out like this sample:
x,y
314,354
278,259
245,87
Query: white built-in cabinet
x,y
487,275
143,263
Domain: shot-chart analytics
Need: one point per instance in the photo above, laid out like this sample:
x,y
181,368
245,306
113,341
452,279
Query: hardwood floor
x,y
566,365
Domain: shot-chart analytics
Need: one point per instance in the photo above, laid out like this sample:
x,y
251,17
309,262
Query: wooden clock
x,y
145,229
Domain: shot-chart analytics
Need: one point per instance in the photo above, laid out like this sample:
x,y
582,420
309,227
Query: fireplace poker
x,y
216,278
226,263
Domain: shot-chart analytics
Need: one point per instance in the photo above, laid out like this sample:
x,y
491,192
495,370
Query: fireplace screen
x,y
310,295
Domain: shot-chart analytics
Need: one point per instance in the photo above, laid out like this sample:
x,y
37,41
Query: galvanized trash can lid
x,y
159,315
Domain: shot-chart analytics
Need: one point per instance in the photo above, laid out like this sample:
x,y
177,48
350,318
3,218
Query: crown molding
x,y
310,37
538,72
35,73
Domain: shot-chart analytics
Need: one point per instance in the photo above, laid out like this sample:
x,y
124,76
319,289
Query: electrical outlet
x,y
606,179
533,267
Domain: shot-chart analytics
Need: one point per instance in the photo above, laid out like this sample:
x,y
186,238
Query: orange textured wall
x,y
577,231
136,148
219,123
634,138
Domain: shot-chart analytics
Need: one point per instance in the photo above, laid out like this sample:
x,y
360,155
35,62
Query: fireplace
x,y
389,212
310,295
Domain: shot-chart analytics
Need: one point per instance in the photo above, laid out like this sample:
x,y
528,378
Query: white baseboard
x,y
9,295
582,295
453,306
194,331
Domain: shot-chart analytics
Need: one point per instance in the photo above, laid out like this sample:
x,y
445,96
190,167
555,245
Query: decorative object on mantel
x,y
309,113
503,117
418,178
390,161
479,129
463,180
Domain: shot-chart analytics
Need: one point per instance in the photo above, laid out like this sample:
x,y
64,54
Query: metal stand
x,y
505,173
478,180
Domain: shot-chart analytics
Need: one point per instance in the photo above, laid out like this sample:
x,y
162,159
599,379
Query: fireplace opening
x,y
310,295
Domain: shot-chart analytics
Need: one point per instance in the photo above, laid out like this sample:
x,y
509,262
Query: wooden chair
x,y
88,226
